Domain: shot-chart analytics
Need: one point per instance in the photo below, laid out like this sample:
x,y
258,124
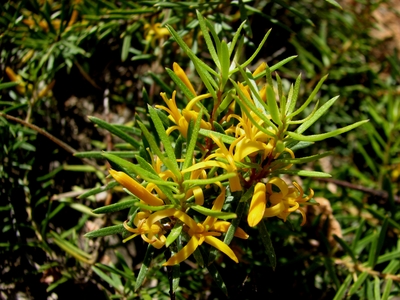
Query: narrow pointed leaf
x,y
212,213
114,130
208,40
266,241
316,115
323,136
116,229
145,266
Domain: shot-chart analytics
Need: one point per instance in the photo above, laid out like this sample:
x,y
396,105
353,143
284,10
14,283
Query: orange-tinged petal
x,y
136,188
257,205
184,253
182,76
221,246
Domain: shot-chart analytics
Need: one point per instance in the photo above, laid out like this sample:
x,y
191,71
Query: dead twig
x,y
358,187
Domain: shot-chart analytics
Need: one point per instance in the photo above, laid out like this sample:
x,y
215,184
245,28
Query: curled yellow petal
x,y
221,246
275,210
158,215
184,253
282,185
257,205
135,188
185,219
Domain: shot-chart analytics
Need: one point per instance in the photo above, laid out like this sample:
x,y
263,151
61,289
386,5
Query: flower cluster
x,y
231,142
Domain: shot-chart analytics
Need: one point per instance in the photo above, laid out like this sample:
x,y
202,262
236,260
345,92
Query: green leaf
x,y
116,229
225,62
266,241
126,44
107,279
388,288
153,208
295,11
196,182
310,98
360,280
240,209
172,165
128,274
334,3
201,68
275,67
247,62
7,85
99,154
302,173
373,256
259,103
292,97
302,160
208,40
164,139
381,239
145,266
174,233
235,38
192,145
273,105
316,115
358,234
377,288
330,268
98,190
71,249
388,256
343,288
114,130
227,139
115,207
212,269
346,248
212,213
254,109
323,136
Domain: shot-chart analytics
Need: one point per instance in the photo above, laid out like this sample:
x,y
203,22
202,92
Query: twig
x,y
359,267
50,137
358,187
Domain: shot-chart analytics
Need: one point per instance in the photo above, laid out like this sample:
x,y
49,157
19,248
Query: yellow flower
x,y
182,119
281,204
257,205
136,188
14,77
205,232
153,32
223,153
153,234
254,140
182,76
